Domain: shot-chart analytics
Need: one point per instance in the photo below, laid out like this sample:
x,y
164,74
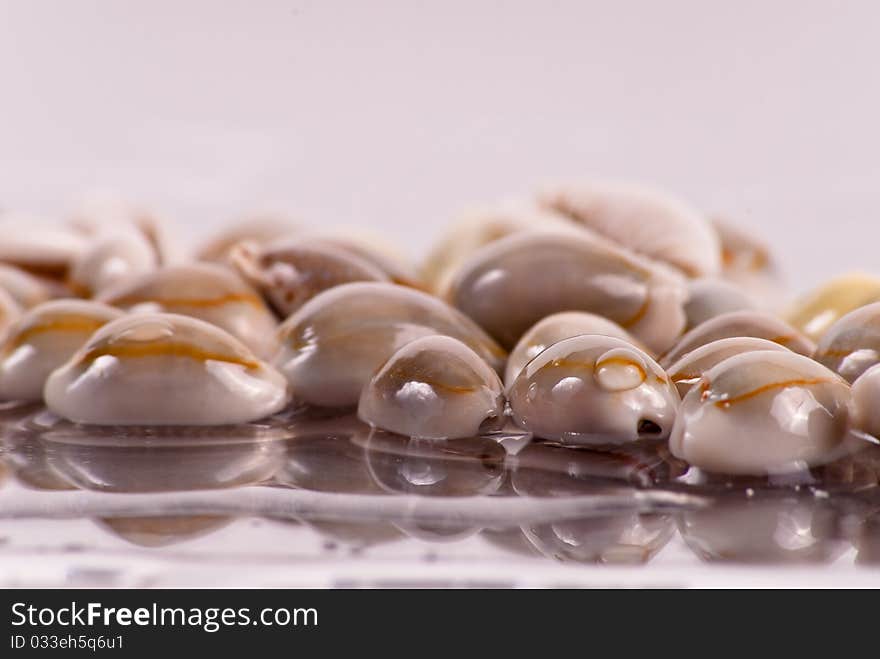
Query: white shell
x,y
553,329
866,401
290,273
710,297
164,369
748,263
477,228
258,228
758,324
687,371
434,388
593,389
26,289
511,284
762,413
206,291
42,340
110,259
334,344
852,345
645,220
9,310
815,312
36,247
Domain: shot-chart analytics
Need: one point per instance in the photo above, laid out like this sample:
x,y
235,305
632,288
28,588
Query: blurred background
x,y
396,115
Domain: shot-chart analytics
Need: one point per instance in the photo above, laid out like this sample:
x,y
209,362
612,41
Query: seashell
x,y
508,286
643,219
593,389
709,297
261,229
37,248
290,273
112,258
164,369
26,289
42,340
818,310
749,264
865,399
477,228
434,388
762,413
334,344
9,310
852,345
687,371
205,291
109,214
374,249
758,324
163,531
553,329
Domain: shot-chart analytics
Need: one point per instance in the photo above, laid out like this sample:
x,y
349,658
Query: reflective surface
x,y
313,499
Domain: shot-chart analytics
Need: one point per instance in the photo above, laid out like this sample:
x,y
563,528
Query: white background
x,y
395,115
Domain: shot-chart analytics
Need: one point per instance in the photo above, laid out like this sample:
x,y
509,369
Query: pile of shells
x,y
588,315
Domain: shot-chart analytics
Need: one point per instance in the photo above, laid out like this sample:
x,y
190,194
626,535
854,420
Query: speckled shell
x,y
334,344
42,340
852,345
710,297
434,388
553,329
758,324
26,289
748,263
164,369
477,228
593,389
36,247
290,273
645,220
761,413
511,284
687,371
205,291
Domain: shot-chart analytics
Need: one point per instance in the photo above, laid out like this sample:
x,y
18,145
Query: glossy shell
x,y
261,229
645,220
164,369
866,401
508,286
336,342
852,345
817,311
762,413
290,273
434,388
710,297
756,324
593,389
205,291
687,371
553,329
477,228
42,340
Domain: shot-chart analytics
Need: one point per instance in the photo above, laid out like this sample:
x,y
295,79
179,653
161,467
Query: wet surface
x,y
320,500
